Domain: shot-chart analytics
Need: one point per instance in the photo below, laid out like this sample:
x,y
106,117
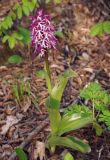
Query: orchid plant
x,y
43,39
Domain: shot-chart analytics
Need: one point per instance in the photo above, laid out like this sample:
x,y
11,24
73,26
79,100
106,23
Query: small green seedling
x,y
15,59
20,89
21,154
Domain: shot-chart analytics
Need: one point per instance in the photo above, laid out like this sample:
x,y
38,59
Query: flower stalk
x,y
47,67
47,70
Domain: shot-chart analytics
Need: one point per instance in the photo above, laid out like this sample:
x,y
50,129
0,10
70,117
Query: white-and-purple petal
x,y
42,33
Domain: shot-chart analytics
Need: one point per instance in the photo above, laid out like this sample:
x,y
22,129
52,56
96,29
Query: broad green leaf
x,y
52,103
98,128
61,83
25,10
9,21
13,15
68,156
97,29
21,154
25,33
31,6
12,42
35,1
16,6
70,142
4,24
57,91
106,27
19,12
15,59
73,122
5,38
55,119
25,2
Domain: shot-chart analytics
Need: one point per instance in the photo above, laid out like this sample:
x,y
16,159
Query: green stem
x,y
48,77
47,66
93,109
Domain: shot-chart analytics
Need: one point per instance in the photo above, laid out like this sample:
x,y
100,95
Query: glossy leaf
x,y
73,122
70,142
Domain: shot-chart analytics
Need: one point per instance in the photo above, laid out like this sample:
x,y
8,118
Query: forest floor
x,y
88,56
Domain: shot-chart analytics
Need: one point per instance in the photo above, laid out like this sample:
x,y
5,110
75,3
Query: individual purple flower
x,y
42,33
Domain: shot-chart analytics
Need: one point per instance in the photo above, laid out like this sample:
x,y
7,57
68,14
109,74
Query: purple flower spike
x,y
42,33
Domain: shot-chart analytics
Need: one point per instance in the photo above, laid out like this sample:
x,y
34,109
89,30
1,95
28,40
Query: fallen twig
x,y
30,137
100,152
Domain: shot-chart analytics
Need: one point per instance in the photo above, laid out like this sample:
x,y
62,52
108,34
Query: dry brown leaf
x,y
39,151
7,150
11,120
90,70
3,68
26,104
1,93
